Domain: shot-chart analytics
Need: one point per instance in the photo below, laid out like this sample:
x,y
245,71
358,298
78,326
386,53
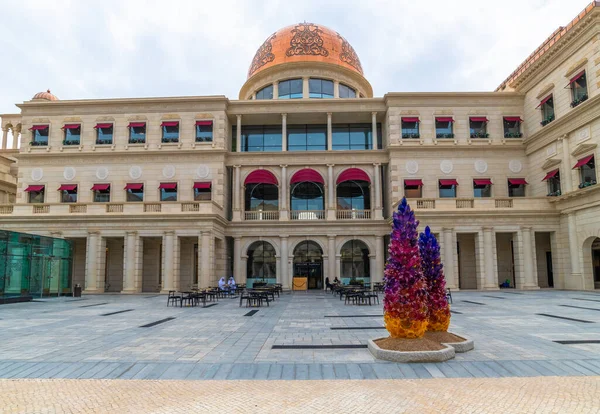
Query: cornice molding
x,y
552,162
582,149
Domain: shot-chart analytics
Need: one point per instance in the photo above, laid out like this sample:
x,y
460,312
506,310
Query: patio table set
x,y
357,294
258,296
195,296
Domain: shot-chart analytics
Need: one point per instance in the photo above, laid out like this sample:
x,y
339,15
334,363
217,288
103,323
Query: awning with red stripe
x,y
35,188
550,175
517,181
168,186
482,181
202,185
513,119
67,187
71,126
448,182
413,119
583,161
204,123
307,174
444,119
261,177
479,119
169,123
136,124
100,187
413,183
39,127
543,101
576,77
353,174
103,126
134,186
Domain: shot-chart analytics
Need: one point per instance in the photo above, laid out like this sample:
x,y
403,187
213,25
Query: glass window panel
x,y
204,133
412,191
102,196
314,86
135,195
167,194
265,93
41,136
105,135
68,196
482,190
327,88
202,194
284,89
36,196
447,191
516,190
296,87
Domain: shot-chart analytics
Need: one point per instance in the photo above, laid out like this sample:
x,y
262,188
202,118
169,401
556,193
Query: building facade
x,y
299,176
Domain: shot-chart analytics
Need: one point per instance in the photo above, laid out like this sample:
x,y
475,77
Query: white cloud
x,y
139,48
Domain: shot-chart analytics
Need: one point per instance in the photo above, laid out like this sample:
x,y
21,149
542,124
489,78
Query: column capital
x,y
56,234
239,116
131,232
283,165
564,136
93,232
331,237
284,115
331,165
169,232
16,129
487,229
237,237
447,229
329,114
376,164
284,236
526,228
237,166
374,113
4,129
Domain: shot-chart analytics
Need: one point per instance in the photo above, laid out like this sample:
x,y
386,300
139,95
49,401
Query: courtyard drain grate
x,y
153,296
475,303
349,346
578,342
587,300
115,313
563,317
495,297
457,312
212,304
96,304
353,316
353,328
252,312
580,307
513,293
150,325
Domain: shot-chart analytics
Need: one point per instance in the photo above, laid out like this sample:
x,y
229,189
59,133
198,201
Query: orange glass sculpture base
x,y
404,328
439,320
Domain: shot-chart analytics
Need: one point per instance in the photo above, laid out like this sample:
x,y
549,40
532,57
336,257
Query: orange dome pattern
x,y
305,42
45,95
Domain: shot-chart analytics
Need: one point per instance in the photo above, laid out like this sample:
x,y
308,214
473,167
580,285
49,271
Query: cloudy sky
x,y
135,48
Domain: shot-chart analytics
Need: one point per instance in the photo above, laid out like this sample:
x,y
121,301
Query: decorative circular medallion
x,y
481,166
102,173
446,166
412,167
203,171
69,173
515,166
37,174
169,171
135,172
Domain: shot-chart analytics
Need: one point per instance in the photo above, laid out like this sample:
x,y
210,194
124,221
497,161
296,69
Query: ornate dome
x,y
45,95
305,42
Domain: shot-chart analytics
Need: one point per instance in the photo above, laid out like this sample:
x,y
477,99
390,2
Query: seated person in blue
x,y
231,284
222,283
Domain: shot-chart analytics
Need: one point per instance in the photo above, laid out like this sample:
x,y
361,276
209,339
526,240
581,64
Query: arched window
x,y
355,261
261,262
353,190
265,93
346,91
261,197
320,88
307,195
290,89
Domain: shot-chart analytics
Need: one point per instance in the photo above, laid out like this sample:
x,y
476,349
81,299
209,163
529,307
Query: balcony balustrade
x,y
114,208
483,204
41,209
77,208
504,202
6,209
464,203
58,209
308,214
261,215
353,214
152,207
425,203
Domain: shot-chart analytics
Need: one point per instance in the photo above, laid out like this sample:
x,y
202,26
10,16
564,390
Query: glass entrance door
x,y
308,262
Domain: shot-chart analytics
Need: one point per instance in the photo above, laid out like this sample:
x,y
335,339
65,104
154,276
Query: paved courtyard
x,y
101,337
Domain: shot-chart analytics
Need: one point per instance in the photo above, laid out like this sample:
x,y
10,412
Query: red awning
x,y
100,187
583,161
513,119
448,182
134,186
204,123
136,124
576,77
479,119
410,119
173,123
482,181
307,174
38,127
202,185
444,119
543,101
103,126
67,187
413,183
261,177
168,186
35,188
71,126
517,181
353,174
550,175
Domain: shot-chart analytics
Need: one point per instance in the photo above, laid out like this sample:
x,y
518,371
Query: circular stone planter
x,y
411,356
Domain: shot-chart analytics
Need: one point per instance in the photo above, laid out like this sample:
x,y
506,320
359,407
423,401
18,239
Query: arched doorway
x,y
308,262
355,264
262,264
596,262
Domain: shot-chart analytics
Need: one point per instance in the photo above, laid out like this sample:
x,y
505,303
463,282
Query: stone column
x,y
331,272
237,213
130,262
378,210
448,256
374,129
380,260
4,137
283,132
276,90
205,265
305,89
237,259
336,89
331,208
490,275
329,132
168,263
238,146
283,194
338,267
91,262
254,95
530,278
565,166
285,267
576,280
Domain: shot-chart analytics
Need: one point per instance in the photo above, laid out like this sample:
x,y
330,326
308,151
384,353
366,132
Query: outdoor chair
x,y
199,296
188,298
449,295
371,295
245,295
173,298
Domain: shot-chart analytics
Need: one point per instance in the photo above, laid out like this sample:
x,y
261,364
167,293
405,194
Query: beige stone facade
x,y
151,245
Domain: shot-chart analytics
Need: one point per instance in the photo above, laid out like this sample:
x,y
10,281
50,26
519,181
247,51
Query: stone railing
x,y
41,209
190,207
6,209
483,204
261,215
353,214
114,208
464,203
152,207
307,215
77,208
503,202
425,203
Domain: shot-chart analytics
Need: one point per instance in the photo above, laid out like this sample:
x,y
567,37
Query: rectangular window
x,y
261,138
68,193
346,91
579,91
512,127
320,88
482,187
478,127
72,134
290,89
39,135
413,188
307,137
352,136
204,131
444,127
134,192
587,171
553,180
36,194
137,133
547,108
202,191
168,191
410,128
170,132
101,193
448,188
516,187
104,134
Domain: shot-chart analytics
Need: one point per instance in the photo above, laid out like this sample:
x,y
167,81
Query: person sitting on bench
x,y
327,284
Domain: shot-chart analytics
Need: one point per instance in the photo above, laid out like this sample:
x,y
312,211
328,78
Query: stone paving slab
x,y
473,395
